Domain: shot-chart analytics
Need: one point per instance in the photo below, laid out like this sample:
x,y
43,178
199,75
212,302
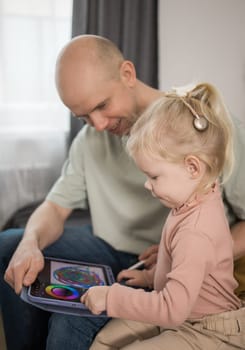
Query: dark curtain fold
x,y
130,24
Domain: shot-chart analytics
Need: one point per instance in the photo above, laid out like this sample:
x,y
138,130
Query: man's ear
x,y
128,73
194,166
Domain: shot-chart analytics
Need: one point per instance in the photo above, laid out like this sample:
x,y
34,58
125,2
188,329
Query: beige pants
x,y
224,331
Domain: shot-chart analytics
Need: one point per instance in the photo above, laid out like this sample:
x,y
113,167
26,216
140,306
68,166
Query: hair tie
x,y
200,123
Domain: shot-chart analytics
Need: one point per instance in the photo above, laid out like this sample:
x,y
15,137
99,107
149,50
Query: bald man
x,y
97,84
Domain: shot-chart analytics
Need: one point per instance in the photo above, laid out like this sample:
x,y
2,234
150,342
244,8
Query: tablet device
x,y
60,285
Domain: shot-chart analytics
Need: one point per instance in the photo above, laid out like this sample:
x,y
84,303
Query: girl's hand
x,y
95,299
150,256
133,278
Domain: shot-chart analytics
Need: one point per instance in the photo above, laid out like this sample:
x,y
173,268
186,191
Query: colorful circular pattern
x,y
78,277
62,292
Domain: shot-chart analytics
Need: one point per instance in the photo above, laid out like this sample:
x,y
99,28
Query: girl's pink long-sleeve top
x,y
193,276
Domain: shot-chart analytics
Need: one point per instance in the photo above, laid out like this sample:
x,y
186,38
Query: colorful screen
x,y
67,281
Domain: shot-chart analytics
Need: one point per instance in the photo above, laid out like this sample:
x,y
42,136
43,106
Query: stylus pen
x,y
137,265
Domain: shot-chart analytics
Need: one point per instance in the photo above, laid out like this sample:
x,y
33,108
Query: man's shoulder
x,y
239,128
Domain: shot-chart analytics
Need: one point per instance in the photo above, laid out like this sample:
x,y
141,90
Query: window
x,y
32,32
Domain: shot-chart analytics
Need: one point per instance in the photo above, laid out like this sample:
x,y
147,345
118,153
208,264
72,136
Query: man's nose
x,y
99,121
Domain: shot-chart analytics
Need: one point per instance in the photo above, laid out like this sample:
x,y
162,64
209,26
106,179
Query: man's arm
x,y
238,235
44,227
234,192
46,223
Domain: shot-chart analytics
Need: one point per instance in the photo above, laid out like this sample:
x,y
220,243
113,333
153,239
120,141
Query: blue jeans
x,y
29,328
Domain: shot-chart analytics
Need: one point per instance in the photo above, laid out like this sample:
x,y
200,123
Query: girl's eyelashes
x,y
153,177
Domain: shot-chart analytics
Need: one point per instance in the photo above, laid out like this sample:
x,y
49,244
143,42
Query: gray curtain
x,y
130,24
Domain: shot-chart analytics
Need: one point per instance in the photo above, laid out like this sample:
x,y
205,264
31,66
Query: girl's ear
x,y
194,166
128,73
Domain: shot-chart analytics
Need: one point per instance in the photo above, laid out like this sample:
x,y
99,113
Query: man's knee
x,y
73,330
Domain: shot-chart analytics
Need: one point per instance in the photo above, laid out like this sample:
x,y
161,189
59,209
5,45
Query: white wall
x,y
204,40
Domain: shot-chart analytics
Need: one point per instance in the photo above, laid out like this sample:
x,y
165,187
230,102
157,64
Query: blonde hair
x,y
167,130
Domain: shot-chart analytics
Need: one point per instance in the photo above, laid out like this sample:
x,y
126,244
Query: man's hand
x,y
133,278
24,266
95,299
150,256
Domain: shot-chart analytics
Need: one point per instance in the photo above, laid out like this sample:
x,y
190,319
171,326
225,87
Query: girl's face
x,y
173,184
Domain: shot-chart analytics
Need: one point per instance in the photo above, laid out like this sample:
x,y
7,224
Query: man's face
x,y
104,103
111,107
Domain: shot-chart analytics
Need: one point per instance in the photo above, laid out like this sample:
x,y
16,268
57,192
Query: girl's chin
x,y
167,204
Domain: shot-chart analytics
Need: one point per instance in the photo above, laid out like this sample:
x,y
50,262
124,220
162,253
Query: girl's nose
x,y
148,185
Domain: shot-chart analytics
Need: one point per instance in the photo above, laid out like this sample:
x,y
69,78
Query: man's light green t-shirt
x,y
99,173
